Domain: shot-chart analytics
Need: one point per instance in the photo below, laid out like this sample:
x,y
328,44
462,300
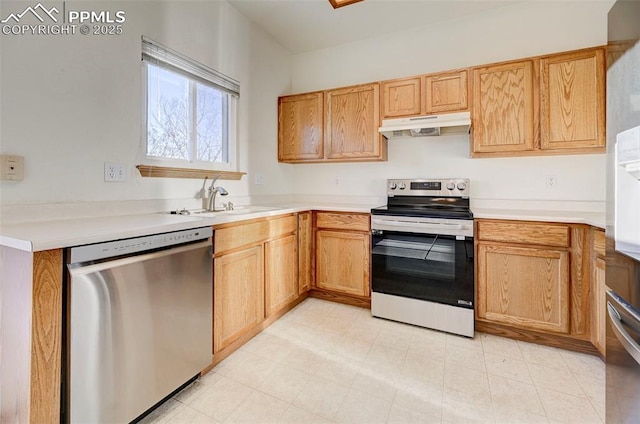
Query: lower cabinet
x,y
281,272
255,275
528,287
533,282
238,295
598,291
342,262
305,251
342,254
599,314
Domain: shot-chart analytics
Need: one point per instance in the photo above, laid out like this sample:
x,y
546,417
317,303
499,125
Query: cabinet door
x,y
446,92
522,286
598,299
300,127
353,119
305,249
342,262
281,272
401,97
238,295
572,100
503,108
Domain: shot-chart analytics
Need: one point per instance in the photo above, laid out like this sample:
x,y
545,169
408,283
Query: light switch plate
x,y
11,168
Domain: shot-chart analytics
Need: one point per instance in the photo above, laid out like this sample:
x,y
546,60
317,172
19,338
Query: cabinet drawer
x,y
237,235
543,234
599,243
342,221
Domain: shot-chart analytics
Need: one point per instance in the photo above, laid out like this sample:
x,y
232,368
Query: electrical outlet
x,y
551,182
115,172
336,181
259,179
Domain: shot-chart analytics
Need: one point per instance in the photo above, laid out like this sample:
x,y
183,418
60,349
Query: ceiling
x,y
305,25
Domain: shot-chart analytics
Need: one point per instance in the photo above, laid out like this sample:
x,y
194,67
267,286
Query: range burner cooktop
x,y
444,198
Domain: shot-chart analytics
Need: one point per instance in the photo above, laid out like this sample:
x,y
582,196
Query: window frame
x,y
229,121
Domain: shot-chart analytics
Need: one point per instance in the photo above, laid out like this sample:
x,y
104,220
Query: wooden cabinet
x,y
305,251
352,122
31,335
446,92
598,291
338,125
255,275
572,100
533,282
281,272
598,310
523,286
503,109
544,105
342,262
425,95
301,127
342,253
402,97
238,295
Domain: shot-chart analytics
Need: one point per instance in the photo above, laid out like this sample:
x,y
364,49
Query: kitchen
x,y
85,94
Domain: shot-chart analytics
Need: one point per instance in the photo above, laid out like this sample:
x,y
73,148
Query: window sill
x,y
168,172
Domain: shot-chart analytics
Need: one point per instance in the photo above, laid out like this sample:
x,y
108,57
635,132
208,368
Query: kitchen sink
x,y
238,210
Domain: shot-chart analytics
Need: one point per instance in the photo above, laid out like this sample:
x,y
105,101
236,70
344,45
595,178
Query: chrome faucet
x,y
211,201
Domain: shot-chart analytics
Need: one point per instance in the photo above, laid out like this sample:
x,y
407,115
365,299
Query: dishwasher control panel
x,y
93,252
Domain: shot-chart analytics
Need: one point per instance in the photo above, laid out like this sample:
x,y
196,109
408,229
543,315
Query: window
x,y
190,110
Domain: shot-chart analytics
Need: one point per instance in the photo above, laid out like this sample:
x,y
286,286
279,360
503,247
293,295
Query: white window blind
x,y
159,55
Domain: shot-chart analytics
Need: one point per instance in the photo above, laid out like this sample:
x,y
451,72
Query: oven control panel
x,y
447,187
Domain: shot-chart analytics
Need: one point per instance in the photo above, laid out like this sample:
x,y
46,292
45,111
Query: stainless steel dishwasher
x,y
139,322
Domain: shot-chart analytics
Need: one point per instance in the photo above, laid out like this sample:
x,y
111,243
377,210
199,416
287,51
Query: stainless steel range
x,y
422,255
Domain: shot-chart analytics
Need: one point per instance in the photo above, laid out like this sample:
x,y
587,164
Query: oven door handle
x,y
434,226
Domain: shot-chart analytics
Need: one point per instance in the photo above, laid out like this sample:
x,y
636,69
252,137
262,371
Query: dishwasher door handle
x,y
78,270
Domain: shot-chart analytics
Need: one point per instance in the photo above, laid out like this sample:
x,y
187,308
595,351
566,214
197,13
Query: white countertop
x,y
596,219
55,234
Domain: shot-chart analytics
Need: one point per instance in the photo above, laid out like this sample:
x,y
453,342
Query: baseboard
x,y
362,302
531,336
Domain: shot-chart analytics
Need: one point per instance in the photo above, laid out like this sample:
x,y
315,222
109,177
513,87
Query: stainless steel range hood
x,y
426,126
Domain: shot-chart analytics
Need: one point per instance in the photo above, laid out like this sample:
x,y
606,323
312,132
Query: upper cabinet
x,y
301,127
353,119
333,126
425,95
401,97
447,92
502,113
572,102
546,105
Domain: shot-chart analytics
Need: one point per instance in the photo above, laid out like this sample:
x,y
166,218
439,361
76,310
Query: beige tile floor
x,y
330,363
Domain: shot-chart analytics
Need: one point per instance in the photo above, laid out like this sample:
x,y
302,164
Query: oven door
x,y
436,268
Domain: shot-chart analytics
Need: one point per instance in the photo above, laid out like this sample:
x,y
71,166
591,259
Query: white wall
x,y
510,32
70,103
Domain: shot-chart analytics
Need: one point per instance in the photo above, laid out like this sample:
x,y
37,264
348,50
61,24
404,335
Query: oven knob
x,y
393,185
451,185
462,186
402,186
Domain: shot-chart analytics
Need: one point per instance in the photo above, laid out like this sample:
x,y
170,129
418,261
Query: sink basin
x,y
239,210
